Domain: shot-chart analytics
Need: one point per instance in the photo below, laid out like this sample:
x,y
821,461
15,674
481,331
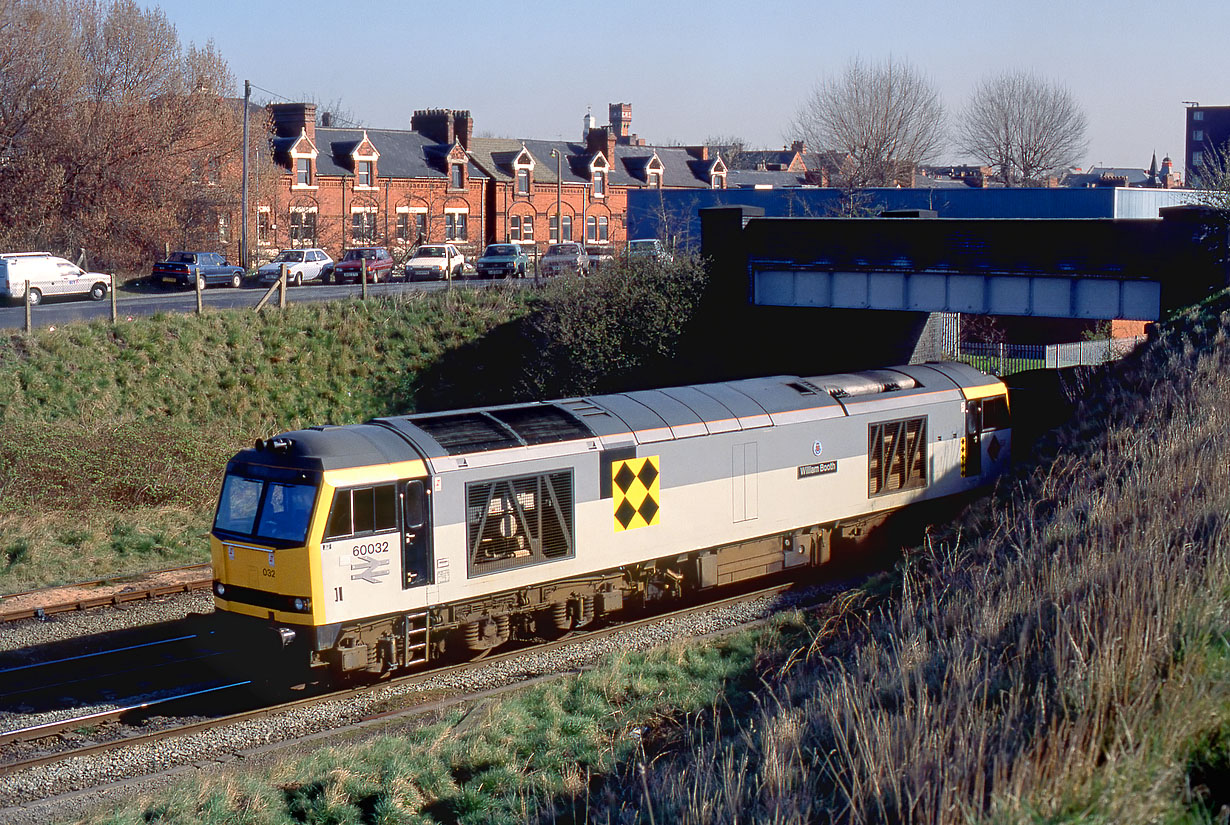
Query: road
x,y
138,300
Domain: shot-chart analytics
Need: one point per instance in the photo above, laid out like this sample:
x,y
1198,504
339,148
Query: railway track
x,y
94,676
51,743
102,592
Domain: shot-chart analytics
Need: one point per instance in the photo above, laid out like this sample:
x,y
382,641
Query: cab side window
x,y
995,413
362,510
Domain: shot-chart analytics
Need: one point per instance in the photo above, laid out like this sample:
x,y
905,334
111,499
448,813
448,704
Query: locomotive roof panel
x,y
645,416
788,399
717,417
745,410
647,425
682,419
330,448
971,381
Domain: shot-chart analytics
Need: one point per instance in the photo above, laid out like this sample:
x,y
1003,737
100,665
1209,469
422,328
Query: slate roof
x,y
403,153
930,182
628,168
751,178
1135,177
753,159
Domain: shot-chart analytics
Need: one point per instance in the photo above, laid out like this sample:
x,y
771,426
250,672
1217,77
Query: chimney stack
x,y
602,140
293,119
463,127
434,124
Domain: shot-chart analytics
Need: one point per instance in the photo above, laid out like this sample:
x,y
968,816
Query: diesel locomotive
x,y
367,548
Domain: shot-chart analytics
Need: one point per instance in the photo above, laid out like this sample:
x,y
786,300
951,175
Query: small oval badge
x,y
816,448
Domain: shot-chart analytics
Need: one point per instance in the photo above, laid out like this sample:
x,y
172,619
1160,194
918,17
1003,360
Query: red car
x,y
349,268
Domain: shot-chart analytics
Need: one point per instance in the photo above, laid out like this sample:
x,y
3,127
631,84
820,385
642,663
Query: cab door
x,y
417,567
971,445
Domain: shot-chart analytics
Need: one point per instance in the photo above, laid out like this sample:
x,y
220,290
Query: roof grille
x,y
478,432
468,433
543,424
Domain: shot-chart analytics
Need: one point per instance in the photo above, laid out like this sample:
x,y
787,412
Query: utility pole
x,y
559,196
243,197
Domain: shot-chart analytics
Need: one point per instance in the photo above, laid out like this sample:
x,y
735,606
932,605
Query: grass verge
x,y
115,437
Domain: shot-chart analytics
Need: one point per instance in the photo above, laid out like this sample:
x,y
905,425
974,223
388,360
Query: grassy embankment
x,y
114,438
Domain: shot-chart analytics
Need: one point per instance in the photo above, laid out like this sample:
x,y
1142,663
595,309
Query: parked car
x,y
302,265
191,269
350,267
435,261
564,259
649,248
47,276
502,260
599,256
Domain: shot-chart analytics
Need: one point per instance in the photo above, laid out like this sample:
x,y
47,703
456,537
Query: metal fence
x,y
1002,359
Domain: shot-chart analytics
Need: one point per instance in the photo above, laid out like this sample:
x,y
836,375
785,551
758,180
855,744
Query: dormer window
x,y
364,158
302,156
457,175
523,170
653,174
599,183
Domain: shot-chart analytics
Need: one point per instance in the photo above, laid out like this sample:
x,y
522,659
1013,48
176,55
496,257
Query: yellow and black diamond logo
x,y
635,492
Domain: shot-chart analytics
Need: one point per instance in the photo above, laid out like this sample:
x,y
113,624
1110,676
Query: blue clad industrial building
x,y
672,214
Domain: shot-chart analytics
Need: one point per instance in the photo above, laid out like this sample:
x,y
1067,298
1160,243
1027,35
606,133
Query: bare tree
x,y
1022,126
108,128
730,147
1211,176
887,117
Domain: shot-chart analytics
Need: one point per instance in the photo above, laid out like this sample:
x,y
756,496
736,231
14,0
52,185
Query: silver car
x,y
564,259
302,265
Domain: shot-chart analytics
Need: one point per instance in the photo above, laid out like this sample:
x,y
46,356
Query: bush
x,y
618,329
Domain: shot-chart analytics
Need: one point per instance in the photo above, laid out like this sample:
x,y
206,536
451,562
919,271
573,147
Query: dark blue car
x,y
193,269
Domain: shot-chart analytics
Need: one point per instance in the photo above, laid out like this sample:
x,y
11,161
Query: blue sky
x,y
694,70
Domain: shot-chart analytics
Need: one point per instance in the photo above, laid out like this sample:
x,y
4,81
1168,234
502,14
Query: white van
x,y
48,275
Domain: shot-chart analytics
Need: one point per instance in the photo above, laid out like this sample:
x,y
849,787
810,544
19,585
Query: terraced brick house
x,y
343,187
590,178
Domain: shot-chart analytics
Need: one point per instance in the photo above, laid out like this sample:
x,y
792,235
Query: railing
x,y
1003,359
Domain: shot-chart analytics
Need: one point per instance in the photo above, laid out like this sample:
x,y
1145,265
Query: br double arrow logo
x,y
368,569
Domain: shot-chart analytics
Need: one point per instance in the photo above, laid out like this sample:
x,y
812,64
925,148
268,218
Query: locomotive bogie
x,y
461,532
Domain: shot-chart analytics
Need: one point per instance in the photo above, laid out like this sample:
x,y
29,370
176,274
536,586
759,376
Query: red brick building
x,y
589,178
345,187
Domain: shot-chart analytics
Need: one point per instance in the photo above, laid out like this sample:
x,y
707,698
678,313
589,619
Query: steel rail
x,y
574,638
136,593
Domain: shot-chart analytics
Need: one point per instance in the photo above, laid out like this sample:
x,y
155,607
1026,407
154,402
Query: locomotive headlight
x,y
220,589
300,605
